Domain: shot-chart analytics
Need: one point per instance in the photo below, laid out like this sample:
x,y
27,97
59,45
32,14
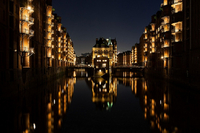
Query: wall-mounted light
x,y
34,126
29,8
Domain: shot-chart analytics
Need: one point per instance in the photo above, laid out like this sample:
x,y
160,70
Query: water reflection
x,y
104,92
39,110
166,107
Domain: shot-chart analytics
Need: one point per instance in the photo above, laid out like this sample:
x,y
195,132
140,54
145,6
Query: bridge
x,y
116,70
115,67
81,66
131,68
128,71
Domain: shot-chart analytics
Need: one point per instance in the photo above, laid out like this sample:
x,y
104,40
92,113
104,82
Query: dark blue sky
x,y
87,20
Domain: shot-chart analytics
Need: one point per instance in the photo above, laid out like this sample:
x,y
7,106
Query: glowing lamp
x,y
29,8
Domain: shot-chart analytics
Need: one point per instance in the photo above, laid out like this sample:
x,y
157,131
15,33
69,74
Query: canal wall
x,y
14,81
173,76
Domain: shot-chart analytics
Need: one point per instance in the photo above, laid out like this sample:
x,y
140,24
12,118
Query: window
x,y
104,65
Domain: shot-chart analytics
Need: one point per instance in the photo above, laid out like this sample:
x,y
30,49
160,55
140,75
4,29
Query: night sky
x,y
87,20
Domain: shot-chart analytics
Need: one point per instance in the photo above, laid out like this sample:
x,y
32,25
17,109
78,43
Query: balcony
x,y
176,39
177,6
30,8
166,53
176,27
166,28
27,32
174,2
28,19
49,38
49,16
48,45
166,44
178,30
31,33
24,49
145,38
174,11
31,20
30,51
49,31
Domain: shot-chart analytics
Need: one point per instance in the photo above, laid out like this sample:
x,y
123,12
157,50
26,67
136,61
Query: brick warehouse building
x,y
36,45
104,55
170,44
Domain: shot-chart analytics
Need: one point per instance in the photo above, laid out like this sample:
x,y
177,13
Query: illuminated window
x,y
104,65
165,2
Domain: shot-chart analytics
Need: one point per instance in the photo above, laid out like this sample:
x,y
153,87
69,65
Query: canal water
x,y
98,105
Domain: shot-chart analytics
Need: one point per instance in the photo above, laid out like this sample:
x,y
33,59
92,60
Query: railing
x,y
25,49
28,19
31,32
49,46
49,38
178,40
174,11
48,16
31,20
28,32
166,46
178,30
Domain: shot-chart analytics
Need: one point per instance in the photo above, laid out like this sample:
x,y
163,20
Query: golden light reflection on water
x,y
155,100
104,92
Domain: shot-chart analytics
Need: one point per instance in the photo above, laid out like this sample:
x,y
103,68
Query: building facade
x,y
104,55
105,48
36,46
125,58
134,54
171,41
